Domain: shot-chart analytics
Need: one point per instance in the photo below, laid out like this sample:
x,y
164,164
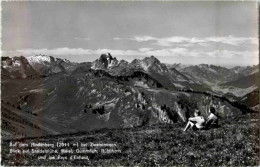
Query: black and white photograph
x,y
130,83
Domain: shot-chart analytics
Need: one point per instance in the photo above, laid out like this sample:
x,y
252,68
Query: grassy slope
x,y
235,143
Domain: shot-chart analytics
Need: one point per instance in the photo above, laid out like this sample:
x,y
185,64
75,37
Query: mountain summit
x,y
149,63
106,61
17,67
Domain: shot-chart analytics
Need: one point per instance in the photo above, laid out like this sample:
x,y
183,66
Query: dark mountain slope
x,y
251,99
18,67
244,82
207,73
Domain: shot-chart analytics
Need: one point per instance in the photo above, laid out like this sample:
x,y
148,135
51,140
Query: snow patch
x,y
212,70
244,98
127,93
141,84
179,85
179,78
17,63
38,59
36,91
144,66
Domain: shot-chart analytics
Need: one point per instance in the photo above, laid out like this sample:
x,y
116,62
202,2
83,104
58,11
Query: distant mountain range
x,y
108,93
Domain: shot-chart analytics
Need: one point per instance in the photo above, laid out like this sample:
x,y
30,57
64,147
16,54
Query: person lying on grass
x,y
212,120
195,123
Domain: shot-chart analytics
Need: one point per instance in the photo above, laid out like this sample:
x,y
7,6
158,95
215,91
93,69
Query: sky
x,y
221,33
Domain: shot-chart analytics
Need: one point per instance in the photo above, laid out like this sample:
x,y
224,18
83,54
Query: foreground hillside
x,y
235,143
94,100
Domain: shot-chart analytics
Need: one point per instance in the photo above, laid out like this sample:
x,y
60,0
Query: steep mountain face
x,y
154,68
81,68
207,73
170,78
18,67
48,65
237,69
106,61
244,81
184,82
35,66
245,70
149,64
179,76
122,63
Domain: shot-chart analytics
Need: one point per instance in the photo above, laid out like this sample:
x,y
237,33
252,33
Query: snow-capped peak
x,y
39,59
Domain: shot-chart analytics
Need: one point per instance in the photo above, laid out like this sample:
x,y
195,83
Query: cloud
x,y
56,51
169,41
80,51
143,38
116,38
229,54
144,49
80,38
232,40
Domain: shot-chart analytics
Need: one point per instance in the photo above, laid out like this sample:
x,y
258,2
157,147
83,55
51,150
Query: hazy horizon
x,y
219,33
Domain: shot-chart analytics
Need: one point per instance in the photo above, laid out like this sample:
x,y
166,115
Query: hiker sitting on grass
x,y
196,122
212,120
